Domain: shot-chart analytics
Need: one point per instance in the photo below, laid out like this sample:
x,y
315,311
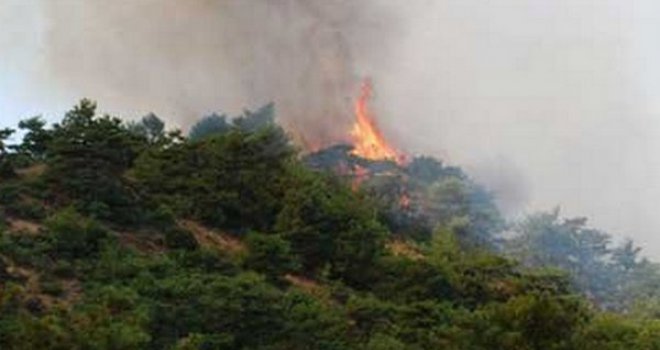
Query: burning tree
x,y
414,194
368,140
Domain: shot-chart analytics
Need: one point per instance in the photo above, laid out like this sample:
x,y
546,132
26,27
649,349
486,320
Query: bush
x,y
178,238
28,210
64,269
16,202
51,286
3,220
75,236
27,250
9,193
269,254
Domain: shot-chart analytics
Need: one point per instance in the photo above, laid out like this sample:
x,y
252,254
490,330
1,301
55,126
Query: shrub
x,y
75,236
51,286
178,238
269,254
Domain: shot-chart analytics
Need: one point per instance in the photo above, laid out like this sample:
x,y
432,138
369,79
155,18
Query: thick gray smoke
x,y
548,102
187,58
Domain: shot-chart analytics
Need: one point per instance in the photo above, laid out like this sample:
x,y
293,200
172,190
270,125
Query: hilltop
x,y
119,235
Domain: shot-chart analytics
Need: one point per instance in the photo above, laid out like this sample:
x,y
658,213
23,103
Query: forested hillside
x,y
118,235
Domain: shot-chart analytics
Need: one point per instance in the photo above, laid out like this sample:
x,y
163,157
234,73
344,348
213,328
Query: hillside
x,y
119,235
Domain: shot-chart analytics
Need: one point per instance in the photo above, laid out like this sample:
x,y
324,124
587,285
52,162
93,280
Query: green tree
x,y
150,127
6,168
234,180
533,321
209,125
87,158
269,254
602,271
263,117
36,138
75,235
329,226
453,198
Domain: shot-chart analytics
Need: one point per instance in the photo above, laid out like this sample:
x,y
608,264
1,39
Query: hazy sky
x,y
549,102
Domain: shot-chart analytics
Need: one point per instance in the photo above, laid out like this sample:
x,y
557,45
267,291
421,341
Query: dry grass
x,y
405,249
213,239
32,171
308,286
19,226
30,280
151,243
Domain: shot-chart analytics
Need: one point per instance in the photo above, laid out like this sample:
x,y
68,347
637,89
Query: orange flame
x,y
368,140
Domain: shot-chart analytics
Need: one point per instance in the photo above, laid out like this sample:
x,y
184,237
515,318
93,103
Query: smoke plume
x,y
188,58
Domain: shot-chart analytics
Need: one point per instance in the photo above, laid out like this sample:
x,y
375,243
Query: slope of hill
x,y
125,236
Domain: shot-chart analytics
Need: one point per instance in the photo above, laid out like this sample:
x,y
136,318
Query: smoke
x,y
549,103
566,91
188,58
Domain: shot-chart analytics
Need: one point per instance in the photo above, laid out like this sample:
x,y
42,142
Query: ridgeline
x,y
119,235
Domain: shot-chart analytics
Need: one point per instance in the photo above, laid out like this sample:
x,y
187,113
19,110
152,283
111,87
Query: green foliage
x,y
150,127
16,199
329,226
232,180
437,195
611,275
208,126
610,332
6,167
453,198
243,311
254,121
269,254
4,135
533,321
25,250
112,319
384,342
36,138
178,238
87,158
249,122
75,236
427,170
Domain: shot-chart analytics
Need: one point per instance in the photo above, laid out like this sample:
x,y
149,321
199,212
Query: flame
x,y
368,140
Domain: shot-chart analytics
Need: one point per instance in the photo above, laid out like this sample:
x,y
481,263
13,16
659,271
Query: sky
x,y
549,103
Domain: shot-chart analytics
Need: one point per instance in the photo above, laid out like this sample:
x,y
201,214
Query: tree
x,y
6,168
329,226
263,117
427,170
75,235
151,127
605,273
269,254
87,158
533,321
36,138
209,125
234,180
452,198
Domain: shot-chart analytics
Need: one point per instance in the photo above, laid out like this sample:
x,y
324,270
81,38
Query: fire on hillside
x,y
367,154
368,140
